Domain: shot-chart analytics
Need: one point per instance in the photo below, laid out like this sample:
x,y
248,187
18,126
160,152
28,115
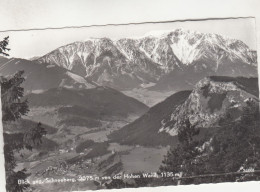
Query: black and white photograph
x,y
130,105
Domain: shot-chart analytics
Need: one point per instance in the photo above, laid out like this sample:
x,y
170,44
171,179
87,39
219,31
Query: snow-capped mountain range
x,y
129,62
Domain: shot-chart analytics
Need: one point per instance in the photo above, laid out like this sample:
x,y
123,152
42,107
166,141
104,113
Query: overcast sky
x,y
26,44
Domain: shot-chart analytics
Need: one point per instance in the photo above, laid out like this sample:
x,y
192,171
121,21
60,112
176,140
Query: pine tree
x,y
3,46
11,94
181,159
13,108
232,148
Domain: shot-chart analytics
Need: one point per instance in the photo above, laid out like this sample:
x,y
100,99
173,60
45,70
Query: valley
x,y
77,143
109,107
116,143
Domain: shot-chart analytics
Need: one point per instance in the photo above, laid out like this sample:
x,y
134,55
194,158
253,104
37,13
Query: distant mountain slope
x,y
188,76
155,58
211,98
3,59
102,99
40,77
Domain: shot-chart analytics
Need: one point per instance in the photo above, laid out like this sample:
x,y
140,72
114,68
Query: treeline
x,y
232,147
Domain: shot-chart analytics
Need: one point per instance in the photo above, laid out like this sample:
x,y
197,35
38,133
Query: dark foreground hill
x,y
144,130
102,101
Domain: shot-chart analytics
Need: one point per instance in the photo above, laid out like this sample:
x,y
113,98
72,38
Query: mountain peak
x,y
130,62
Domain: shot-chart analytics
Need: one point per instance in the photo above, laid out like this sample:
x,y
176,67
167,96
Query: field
x,y
148,97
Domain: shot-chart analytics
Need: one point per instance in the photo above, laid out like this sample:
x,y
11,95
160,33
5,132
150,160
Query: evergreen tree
x,y
13,108
11,94
3,46
181,159
234,147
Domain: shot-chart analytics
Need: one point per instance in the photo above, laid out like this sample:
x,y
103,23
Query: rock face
x,y
155,58
211,98
204,106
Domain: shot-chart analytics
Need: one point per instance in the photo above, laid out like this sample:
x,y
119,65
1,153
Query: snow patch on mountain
x,y
152,56
80,80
